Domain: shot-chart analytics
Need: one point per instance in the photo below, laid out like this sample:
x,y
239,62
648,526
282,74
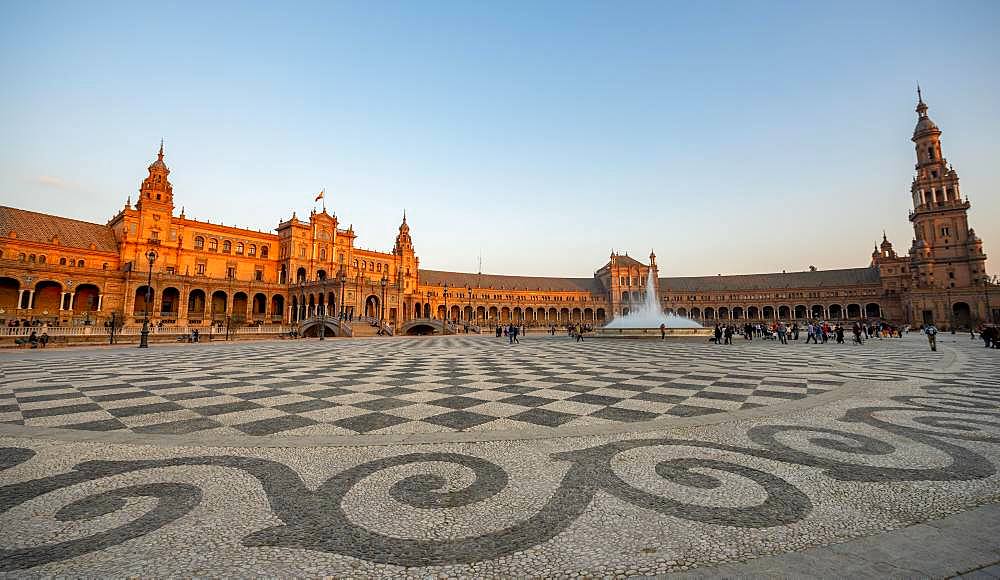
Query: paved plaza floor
x,y
467,456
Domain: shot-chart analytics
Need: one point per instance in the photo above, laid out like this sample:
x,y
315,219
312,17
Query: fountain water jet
x,y
645,320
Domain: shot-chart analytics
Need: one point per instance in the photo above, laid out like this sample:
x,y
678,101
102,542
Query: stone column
x,y
100,302
31,299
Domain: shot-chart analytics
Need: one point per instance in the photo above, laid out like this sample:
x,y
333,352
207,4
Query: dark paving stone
x,y
594,399
684,386
304,406
722,396
459,420
573,388
691,411
516,389
751,406
178,427
324,393
456,402
9,408
55,397
223,408
120,396
262,394
455,390
275,425
734,385
543,417
369,422
383,404
783,383
778,394
392,392
623,415
527,401
660,398
145,409
55,411
191,395
631,387
105,425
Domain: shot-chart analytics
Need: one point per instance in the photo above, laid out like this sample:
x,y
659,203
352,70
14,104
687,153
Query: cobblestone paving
x,y
911,436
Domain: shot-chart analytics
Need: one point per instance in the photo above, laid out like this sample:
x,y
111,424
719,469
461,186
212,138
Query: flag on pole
x,y
320,196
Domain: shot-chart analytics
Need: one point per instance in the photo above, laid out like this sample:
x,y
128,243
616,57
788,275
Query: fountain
x,y
644,320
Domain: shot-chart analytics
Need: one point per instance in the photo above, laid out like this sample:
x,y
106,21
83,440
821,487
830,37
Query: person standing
x,y
579,333
663,331
729,334
931,331
718,333
795,331
782,333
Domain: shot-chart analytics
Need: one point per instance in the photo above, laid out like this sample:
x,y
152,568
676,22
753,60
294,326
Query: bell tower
x,y
946,253
156,191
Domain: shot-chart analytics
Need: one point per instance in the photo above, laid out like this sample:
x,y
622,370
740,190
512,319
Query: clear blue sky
x,y
732,137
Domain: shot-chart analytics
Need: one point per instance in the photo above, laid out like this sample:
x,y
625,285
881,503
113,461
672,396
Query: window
x,y
930,153
154,234
62,261
170,270
213,245
302,251
31,258
263,251
173,234
252,250
951,275
199,243
322,253
378,267
104,266
230,272
227,247
945,231
79,264
200,269
41,259
239,248
258,274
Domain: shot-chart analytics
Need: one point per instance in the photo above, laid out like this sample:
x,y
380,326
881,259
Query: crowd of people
x,y
816,332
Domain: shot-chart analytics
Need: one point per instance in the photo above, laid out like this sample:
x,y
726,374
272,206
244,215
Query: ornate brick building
x,y
65,271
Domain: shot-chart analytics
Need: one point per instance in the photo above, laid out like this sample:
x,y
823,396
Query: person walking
x,y
663,331
729,334
795,331
782,333
579,333
810,333
718,334
839,330
931,331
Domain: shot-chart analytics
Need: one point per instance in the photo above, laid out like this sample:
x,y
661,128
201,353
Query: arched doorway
x,y
219,302
962,315
196,304
259,306
695,313
709,313
767,312
10,292
48,297
295,309
873,310
784,313
427,310
723,313
817,312
737,313
240,300
854,311
300,275
836,312
142,294
277,307
372,306
801,312
86,298
505,314
753,313
170,302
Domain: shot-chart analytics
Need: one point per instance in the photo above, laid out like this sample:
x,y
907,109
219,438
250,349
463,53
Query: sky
x,y
731,137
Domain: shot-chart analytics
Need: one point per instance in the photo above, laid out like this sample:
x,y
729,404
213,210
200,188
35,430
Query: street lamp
x,y
144,333
384,282
445,328
342,278
322,314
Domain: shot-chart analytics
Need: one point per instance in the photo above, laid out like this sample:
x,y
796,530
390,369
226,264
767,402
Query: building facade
x,y
67,272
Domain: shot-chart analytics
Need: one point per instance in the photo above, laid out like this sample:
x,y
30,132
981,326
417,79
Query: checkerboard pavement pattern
x,y
434,384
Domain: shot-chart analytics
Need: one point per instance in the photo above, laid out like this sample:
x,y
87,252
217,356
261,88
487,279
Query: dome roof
x,y
925,126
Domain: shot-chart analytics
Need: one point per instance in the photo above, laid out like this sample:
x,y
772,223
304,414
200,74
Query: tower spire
x,y
160,154
921,105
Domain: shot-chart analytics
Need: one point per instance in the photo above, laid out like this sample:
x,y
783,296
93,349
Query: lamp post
x,y
468,288
445,328
986,294
384,282
322,314
144,333
342,278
